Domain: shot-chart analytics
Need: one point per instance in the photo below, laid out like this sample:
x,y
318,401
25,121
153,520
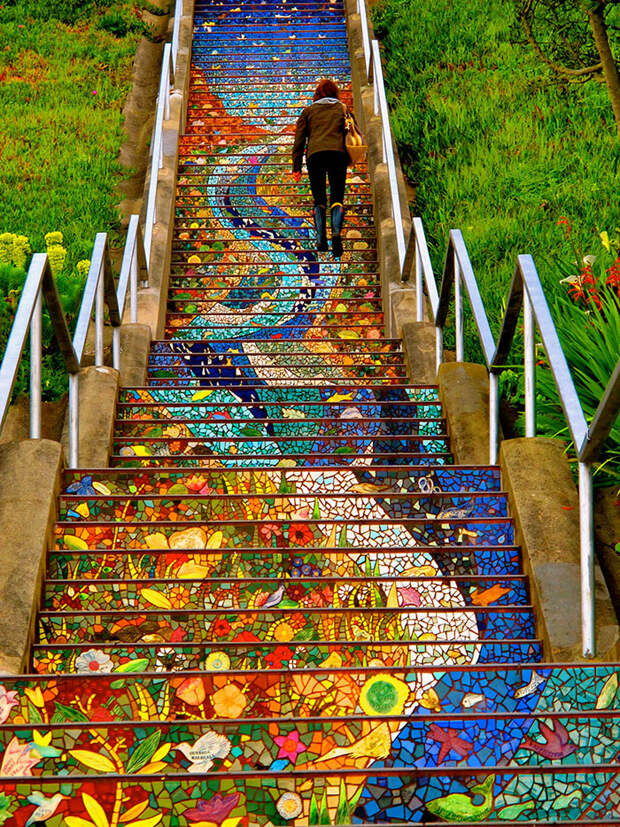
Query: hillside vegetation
x,y
65,71
521,160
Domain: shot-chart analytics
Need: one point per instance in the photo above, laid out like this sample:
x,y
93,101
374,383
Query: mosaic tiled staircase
x,y
283,603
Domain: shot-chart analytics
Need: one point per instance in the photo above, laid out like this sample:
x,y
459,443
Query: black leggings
x,y
327,164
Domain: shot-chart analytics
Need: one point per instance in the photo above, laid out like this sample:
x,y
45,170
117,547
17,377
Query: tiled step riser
x,y
273,412
263,793
276,305
176,426
181,373
355,438
338,374
243,594
186,460
294,562
266,451
156,423
378,532
453,479
210,507
315,740
462,693
171,655
258,332
344,395
391,367
288,625
216,289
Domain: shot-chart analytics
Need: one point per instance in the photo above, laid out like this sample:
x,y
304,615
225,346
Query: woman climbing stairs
x,y
283,603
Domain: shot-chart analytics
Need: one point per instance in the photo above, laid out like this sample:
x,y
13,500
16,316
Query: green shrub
x,y
497,146
493,143
66,11
120,23
591,345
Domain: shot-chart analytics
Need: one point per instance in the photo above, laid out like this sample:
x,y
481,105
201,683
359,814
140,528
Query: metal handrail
x,y
526,294
132,266
374,74
178,11
157,145
39,285
166,89
99,290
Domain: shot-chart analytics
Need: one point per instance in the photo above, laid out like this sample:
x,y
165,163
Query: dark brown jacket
x,y
321,125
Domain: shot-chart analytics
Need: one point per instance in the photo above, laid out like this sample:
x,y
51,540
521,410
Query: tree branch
x,y
563,70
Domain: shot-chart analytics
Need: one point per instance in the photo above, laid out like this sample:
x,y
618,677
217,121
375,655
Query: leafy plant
x,y
591,343
120,23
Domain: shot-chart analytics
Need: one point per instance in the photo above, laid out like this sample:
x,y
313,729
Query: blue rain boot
x,y
337,215
320,223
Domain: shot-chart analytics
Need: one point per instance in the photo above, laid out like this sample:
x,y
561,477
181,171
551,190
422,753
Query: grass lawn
x,y
65,71
497,145
62,88
494,144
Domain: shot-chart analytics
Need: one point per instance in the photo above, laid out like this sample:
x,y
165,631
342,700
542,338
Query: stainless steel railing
x,y
99,291
526,296
166,90
374,73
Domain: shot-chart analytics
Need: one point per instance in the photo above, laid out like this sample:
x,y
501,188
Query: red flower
x,y
564,222
270,531
613,274
276,658
295,591
245,637
221,627
300,534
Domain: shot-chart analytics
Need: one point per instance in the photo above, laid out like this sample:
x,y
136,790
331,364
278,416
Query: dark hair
x,y
326,89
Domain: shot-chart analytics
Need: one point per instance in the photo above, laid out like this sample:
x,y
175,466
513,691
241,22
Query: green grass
x,y
493,143
61,95
65,71
497,146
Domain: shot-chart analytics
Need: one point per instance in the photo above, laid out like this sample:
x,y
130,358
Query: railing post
x,y
99,317
419,278
361,9
458,309
35,368
375,88
74,419
438,347
116,347
178,11
586,537
493,417
133,284
166,72
529,359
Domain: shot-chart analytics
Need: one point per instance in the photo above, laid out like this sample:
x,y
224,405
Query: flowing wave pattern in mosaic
x,y
283,603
